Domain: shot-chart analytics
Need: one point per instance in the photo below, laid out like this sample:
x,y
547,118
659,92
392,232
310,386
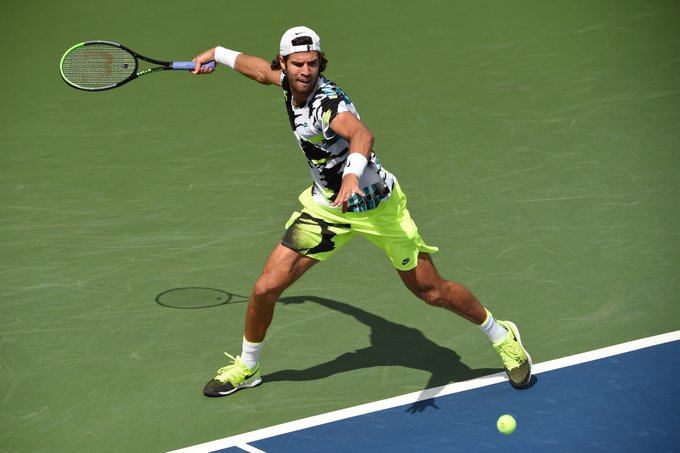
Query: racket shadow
x,y
392,344
197,297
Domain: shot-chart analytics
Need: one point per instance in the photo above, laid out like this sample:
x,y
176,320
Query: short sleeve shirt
x,y
326,152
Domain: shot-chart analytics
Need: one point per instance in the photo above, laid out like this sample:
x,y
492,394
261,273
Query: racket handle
x,y
190,65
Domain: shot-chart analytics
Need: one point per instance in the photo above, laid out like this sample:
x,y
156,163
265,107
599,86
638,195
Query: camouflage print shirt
x,y
327,152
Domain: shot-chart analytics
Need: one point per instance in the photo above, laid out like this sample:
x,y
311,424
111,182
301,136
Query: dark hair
x,y
322,63
301,41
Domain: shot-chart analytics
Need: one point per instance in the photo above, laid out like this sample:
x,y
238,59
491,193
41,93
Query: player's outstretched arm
x,y
252,67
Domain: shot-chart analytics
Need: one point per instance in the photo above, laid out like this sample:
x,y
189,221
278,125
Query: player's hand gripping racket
x,y
102,65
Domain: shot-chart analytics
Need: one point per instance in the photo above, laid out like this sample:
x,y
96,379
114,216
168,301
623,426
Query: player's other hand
x,y
350,185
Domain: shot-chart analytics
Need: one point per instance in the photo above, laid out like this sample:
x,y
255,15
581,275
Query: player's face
x,y
302,69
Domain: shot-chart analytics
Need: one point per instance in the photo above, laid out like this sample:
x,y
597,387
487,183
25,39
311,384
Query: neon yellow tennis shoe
x,y
516,359
233,377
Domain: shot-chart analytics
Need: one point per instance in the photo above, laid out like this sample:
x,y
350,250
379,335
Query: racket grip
x,y
190,65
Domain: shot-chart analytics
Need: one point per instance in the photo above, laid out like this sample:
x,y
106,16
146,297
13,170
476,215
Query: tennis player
x,y
351,194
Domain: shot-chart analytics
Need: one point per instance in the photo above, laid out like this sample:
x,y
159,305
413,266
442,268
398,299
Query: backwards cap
x,y
287,47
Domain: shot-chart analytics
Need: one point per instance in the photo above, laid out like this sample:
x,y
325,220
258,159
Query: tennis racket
x,y
103,65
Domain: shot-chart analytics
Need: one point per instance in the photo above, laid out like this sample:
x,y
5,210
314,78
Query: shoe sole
x,y
245,385
515,332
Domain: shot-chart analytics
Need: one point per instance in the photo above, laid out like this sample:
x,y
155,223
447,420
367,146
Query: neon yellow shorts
x,y
319,232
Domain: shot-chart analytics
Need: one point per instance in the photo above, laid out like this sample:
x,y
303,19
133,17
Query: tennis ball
x,y
506,424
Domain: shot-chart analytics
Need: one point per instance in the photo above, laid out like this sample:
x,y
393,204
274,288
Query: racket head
x,y
98,65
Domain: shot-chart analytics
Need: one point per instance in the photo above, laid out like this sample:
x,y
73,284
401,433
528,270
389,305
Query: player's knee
x,y
431,295
265,291
434,298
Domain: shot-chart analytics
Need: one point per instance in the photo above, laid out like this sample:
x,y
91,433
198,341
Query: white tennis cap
x,y
287,46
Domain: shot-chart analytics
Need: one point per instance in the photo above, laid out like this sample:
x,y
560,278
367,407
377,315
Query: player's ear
x,y
282,63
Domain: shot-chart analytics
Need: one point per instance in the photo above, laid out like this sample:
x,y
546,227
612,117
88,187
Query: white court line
x,y
242,440
249,448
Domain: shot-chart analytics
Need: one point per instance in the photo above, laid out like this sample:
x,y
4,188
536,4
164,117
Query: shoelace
x,y
511,354
233,372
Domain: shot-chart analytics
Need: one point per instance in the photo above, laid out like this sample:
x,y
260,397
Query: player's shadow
x,y
392,344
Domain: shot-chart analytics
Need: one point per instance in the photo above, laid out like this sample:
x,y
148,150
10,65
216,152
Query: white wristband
x,y
226,56
356,164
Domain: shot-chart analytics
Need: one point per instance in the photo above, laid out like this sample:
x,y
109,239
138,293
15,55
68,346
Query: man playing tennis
x,y
352,193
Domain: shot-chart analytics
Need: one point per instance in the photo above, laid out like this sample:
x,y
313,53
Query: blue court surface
x,y
621,398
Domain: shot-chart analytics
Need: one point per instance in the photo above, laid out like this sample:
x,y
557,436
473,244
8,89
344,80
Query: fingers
x,y
197,67
202,59
201,67
350,185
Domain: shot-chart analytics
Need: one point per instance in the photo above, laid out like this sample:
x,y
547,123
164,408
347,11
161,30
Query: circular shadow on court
x,y
195,297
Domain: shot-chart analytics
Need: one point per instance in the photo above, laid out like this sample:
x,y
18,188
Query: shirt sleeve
x,y
333,102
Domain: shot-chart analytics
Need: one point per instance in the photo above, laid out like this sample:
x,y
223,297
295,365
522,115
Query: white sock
x,y
250,354
492,329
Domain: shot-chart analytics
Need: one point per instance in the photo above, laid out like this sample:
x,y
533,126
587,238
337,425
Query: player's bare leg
x,y
282,269
284,266
425,282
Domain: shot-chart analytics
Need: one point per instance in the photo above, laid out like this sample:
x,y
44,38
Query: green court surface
x,y
537,143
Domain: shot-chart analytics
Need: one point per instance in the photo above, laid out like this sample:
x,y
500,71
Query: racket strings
x,y
97,66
